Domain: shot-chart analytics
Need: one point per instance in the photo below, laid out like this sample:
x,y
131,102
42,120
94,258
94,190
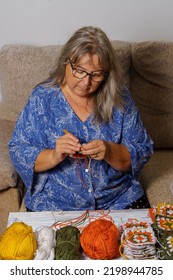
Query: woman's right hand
x,y
65,145
49,158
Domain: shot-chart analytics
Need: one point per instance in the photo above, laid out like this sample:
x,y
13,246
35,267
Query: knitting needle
x,y
65,131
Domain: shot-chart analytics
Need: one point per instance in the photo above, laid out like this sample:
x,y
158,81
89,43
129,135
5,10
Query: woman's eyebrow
x,y
79,66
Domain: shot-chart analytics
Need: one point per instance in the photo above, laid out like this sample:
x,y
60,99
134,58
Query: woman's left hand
x,y
116,155
96,149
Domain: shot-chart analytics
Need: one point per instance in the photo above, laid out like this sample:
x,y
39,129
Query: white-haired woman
x,y
79,143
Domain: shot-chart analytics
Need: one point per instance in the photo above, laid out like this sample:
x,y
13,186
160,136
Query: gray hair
x,y
92,40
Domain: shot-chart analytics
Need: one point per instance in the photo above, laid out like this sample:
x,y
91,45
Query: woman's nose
x,y
87,80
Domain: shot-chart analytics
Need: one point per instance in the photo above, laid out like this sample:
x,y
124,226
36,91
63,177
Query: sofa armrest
x,y
157,177
8,175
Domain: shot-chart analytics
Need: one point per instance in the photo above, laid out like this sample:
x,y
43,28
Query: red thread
x,y
79,162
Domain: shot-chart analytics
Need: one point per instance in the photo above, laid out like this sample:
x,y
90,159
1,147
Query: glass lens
x,y
79,73
95,76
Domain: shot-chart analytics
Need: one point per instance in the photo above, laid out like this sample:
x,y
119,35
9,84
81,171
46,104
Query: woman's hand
x,y
49,158
116,155
96,149
65,145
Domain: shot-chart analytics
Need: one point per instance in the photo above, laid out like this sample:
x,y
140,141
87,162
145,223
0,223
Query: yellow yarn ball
x,y
18,242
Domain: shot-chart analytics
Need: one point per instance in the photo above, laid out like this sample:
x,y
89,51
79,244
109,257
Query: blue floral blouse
x,y
72,185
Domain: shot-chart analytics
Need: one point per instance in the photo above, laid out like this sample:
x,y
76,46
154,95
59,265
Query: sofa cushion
x,y
9,203
123,51
157,177
22,67
8,175
152,88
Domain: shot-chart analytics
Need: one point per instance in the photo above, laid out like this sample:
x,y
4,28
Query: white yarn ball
x,y
46,243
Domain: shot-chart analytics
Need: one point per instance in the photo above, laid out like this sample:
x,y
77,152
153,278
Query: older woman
x,y
79,143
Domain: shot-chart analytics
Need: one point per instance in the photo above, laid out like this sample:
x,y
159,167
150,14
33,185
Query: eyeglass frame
x,y
74,68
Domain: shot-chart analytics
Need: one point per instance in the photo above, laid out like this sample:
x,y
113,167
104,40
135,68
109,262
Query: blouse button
x,y
86,170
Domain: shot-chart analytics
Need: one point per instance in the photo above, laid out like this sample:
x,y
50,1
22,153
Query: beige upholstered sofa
x,y
148,71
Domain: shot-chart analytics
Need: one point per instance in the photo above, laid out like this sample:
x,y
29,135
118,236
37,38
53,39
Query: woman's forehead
x,y
91,59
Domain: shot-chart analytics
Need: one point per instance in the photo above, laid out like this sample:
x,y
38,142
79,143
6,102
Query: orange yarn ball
x,y
99,240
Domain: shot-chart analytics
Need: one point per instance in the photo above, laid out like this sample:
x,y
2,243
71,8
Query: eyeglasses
x,y
96,76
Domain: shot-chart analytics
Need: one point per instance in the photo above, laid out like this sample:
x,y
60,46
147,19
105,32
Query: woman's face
x,y
86,86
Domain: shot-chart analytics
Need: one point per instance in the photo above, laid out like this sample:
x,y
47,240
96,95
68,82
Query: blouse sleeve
x,y
27,140
135,137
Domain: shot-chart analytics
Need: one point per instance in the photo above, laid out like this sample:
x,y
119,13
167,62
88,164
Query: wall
x,y
43,22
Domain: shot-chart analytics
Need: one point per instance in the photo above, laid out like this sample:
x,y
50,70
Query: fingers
x,y
68,144
96,149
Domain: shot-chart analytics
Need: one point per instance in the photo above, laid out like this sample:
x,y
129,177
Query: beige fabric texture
x,y
123,51
22,67
157,177
9,203
152,88
8,175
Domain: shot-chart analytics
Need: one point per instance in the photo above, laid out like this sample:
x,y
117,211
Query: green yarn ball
x,y
67,243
